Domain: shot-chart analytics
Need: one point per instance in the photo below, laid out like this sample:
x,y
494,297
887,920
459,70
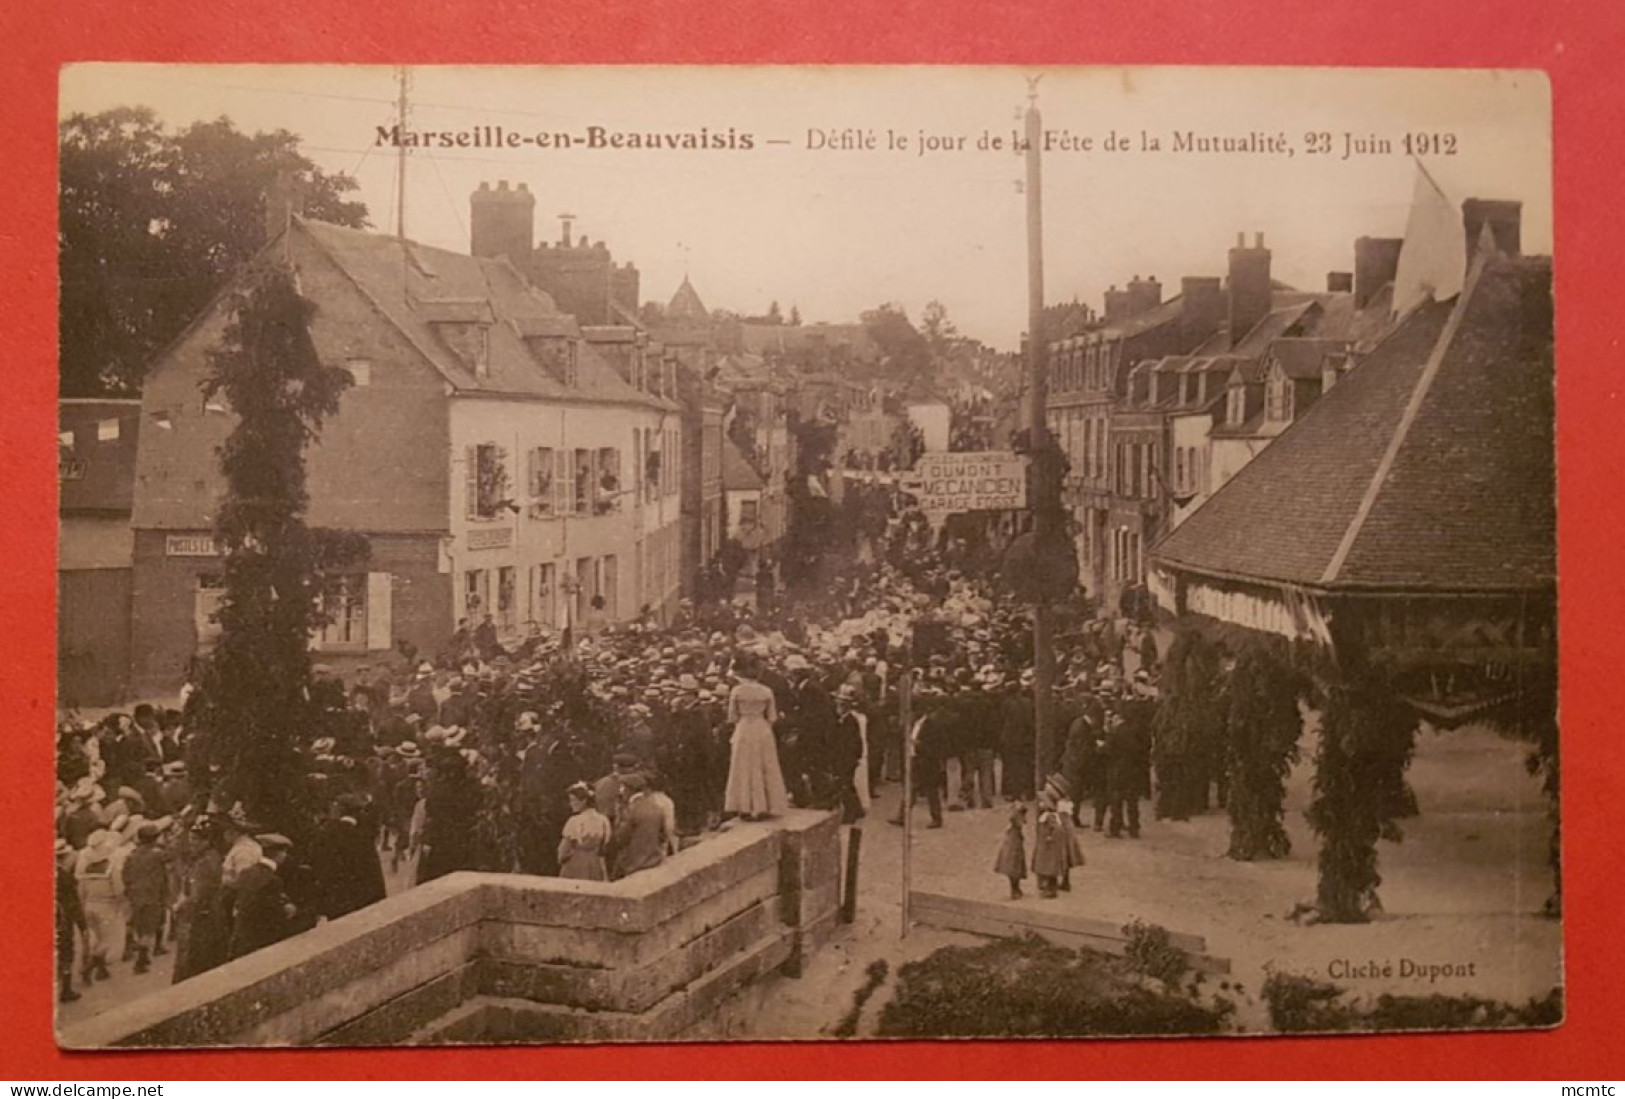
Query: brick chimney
x,y
1143,295
1339,282
1249,286
502,221
1201,309
1376,261
1504,218
284,198
1119,306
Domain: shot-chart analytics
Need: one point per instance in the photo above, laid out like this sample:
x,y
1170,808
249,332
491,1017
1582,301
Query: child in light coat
x,y
1012,860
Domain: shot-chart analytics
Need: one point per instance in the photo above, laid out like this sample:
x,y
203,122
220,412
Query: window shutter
x,y
502,487
380,626
561,479
533,472
471,505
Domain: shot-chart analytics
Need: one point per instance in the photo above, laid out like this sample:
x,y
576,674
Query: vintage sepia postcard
x,y
654,554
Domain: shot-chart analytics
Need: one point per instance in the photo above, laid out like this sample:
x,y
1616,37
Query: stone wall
x,y
505,957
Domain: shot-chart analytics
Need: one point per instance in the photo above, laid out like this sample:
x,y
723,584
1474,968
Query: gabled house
x,y
496,461
1407,520
96,447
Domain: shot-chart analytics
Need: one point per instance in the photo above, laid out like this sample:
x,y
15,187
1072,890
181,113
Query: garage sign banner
x,y
988,480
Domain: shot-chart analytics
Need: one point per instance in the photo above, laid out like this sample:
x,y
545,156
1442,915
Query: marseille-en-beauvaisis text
x,y
589,137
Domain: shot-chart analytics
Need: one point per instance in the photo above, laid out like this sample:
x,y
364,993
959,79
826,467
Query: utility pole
x,y
403,80
905,712
1047,502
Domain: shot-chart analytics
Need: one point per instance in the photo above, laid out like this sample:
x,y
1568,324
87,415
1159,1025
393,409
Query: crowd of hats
x,y
466,706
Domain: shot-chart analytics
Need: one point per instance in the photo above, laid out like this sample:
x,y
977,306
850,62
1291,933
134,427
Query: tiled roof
x,y
431,286
1429,466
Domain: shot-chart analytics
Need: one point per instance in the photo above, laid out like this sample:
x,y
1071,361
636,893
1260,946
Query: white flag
x,y
1433,259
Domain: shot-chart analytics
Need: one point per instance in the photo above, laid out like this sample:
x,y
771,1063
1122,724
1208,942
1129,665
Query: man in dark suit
x,y
262,914
640,830
1016,741
1128,765
932,740
811,718
548,770
846,748
149,742
344,860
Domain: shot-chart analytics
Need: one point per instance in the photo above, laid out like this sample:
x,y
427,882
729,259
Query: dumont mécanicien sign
x,y
990,480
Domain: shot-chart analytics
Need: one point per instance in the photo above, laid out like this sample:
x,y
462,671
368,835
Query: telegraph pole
x,y
403,80
1047,501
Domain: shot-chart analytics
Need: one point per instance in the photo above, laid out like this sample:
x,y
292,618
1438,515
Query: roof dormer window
x,y
464,326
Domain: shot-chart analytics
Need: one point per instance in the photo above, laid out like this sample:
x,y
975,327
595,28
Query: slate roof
x,y
1254,426
1275,324
1303,358
431,286
686,305
1158,315
743,370
1428,467
738,475
103,472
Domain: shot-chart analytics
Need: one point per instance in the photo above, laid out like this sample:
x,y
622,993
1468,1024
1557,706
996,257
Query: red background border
x,y
1579,44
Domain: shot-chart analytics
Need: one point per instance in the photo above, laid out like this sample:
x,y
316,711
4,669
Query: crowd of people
x,y
595,761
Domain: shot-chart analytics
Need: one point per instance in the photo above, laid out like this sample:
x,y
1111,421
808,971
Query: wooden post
x,y
1046,502
905,699
854,846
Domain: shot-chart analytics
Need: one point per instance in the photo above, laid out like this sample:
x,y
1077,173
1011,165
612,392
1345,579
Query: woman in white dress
x,y
755,783
586,834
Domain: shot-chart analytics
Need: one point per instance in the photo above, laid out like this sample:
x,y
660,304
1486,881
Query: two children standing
x,y
1056,851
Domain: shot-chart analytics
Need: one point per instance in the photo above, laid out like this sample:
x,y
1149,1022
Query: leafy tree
x,y
152,224
906,353
795,315
774,314
938,330
254,702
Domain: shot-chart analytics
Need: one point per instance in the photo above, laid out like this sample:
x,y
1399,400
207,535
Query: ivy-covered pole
x,y
1534,718
1367,736
1190,721
254,706
1262,724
